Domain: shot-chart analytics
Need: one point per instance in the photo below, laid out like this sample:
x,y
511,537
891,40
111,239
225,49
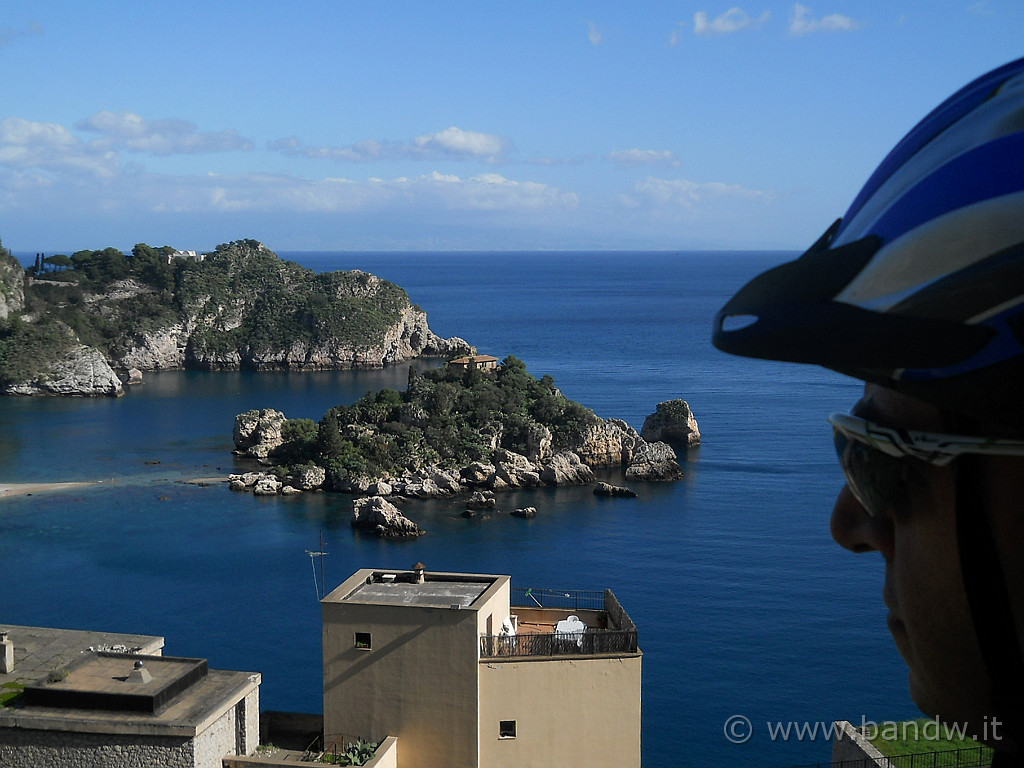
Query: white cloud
x,y
126,130
53,187
451,144
733,20
50,147
803,24
631,158
594,34
689,195
458,142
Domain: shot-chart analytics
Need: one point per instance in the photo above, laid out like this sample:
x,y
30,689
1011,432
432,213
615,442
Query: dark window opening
x,y
506,729
363,641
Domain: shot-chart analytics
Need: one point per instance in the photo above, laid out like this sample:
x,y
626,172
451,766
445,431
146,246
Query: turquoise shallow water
x,y
745,605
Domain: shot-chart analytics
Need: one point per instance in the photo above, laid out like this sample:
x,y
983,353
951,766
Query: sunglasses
x,y
874,458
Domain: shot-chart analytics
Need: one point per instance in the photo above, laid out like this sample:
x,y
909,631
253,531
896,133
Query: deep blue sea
x,y
745,605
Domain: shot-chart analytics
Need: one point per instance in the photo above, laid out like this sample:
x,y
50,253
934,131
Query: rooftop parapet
x,y
550,622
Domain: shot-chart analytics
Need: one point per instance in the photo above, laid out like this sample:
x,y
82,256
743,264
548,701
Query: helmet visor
x,y
877,460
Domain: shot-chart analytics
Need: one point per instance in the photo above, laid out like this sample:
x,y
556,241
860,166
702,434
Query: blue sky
x,y
465,125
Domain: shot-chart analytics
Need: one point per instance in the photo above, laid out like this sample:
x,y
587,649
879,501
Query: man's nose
x,y
854,529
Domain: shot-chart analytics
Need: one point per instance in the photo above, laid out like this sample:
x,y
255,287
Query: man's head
x,y
919,291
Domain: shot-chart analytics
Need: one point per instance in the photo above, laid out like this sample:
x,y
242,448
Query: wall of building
x,y
235,732
849,745
581,711
417,682
30,748
492,607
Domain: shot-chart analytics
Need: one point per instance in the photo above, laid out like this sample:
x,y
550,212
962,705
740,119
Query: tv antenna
x,y
312,564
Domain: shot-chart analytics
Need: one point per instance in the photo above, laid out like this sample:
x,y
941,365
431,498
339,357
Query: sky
x,y
396,125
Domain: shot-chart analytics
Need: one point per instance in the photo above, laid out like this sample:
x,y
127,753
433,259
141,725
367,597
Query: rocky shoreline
x,y
612,443
240,307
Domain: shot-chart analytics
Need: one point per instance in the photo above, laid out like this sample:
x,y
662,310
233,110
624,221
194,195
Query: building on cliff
x,y
461,670
77,698
483,362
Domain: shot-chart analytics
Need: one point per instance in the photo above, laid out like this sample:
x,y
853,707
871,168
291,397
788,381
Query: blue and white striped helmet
x,y
920,286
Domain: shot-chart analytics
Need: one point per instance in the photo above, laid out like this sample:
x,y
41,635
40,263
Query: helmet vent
x,y
738,322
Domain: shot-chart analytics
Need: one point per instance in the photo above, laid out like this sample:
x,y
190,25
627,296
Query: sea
x,y
750,617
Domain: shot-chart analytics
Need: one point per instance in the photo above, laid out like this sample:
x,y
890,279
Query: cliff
x,y
238,307
12,280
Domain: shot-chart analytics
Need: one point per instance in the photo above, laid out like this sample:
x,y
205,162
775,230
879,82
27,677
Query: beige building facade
x,y
467,672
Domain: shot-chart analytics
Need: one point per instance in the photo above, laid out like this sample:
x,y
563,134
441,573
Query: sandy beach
x,y
23,489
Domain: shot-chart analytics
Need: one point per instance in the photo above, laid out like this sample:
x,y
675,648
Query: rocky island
x,y
68,323
461,429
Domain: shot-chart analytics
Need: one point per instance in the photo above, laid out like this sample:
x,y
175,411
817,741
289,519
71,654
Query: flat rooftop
x,y
37,650
110,681
98,694
432,594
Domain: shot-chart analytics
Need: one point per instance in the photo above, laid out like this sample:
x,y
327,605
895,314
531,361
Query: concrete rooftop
x,y
433,594
93,670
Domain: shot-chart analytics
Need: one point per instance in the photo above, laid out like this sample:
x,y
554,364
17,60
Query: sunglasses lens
x,y
877,480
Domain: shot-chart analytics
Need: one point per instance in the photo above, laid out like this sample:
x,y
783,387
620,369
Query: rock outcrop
x,y
615,491
673,423
653,461
383,517
614,443
565,468
257,433
82,372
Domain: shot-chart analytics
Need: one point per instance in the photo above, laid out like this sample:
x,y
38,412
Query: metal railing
x,y
593,641
964,757
570,599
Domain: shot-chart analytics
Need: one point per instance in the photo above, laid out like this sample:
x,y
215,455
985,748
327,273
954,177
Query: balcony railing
x,y
965,757
571,599
593,641
616,633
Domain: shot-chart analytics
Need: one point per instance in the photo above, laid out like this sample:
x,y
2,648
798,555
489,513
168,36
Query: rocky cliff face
x,y
673,423
84,372
174,348
12,286
247,309
241,307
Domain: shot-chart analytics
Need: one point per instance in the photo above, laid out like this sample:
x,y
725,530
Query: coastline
x,y
24,489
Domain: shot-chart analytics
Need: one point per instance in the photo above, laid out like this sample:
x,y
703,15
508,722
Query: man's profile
x,y
919,291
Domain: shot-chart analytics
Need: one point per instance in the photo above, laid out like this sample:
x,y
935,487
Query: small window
x,y
506,729
363,641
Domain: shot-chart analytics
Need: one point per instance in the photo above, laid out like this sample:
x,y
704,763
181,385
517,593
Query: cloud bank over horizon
x,y
601,126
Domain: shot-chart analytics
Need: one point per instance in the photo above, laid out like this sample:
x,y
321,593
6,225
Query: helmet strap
x,y
991,609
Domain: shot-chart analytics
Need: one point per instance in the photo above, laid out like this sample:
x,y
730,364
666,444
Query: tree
x,y
59,261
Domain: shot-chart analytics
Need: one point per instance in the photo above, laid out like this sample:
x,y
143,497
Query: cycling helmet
x,y
920,286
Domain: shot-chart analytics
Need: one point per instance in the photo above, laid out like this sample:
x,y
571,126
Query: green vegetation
x,y
447,417
355,753
244,302
920,736
9,692
27,349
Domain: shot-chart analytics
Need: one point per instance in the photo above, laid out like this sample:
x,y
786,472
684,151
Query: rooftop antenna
x,y
312,565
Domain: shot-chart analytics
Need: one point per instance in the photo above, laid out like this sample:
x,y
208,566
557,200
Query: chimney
x,y
420,571
140,674
6,654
